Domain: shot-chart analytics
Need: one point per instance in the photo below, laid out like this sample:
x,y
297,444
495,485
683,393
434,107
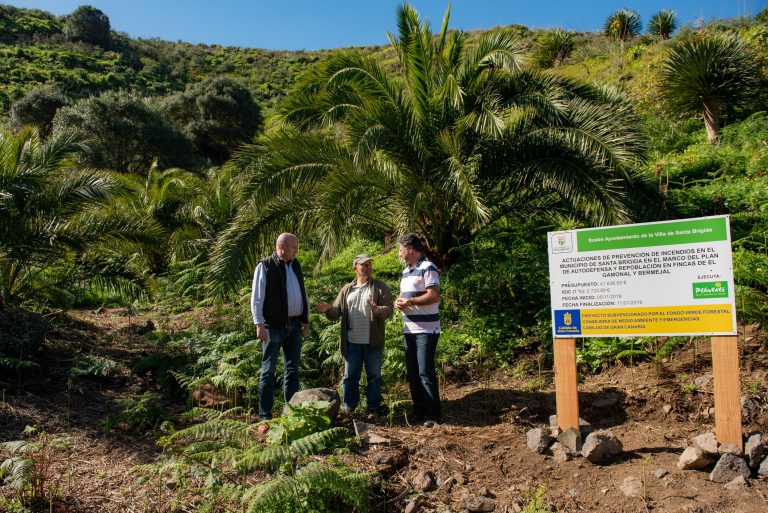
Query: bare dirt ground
x,y
480,449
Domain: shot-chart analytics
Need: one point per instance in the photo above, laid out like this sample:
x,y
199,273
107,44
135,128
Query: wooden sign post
x,y
566,388
725,374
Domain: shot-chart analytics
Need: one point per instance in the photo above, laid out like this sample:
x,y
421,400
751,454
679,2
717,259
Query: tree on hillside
x,y
55,227
555,47
458,136
218,115
89,25
663,24
126,133
37,108
707,73
623,25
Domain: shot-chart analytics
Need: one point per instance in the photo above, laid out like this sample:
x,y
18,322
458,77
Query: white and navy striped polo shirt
x,y
414,283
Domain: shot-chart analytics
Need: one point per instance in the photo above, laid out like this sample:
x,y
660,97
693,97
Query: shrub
x,y
89,25
37,108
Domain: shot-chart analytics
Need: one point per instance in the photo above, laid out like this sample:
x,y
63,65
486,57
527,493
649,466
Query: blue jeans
x,y
288,338
357,355
422,380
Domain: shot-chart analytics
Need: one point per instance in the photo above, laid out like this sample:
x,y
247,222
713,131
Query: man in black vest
x,y
280,309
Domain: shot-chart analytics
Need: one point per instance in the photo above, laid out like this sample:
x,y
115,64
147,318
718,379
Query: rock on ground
x,y
763,470
318,394
728,468
538,440
600,446
571,439
632,487
729,449
707,442
694,458
559,453
738,483
478,503
584,426
754,450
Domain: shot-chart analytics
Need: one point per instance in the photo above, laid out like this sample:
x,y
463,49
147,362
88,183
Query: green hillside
x,y
34,52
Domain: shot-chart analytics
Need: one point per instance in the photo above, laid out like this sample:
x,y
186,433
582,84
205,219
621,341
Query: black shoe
x,y
415,419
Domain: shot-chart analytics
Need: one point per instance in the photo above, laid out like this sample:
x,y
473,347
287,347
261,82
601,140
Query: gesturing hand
x,y
323,307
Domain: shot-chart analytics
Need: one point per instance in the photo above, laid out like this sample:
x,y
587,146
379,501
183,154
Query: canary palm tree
x,y
53,218
663,24
458,136
705,74
555,47
623,25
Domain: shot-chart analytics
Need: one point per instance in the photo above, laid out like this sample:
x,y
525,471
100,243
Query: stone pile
x,y
598,446
728,464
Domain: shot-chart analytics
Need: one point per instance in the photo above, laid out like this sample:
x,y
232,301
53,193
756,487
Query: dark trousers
x,y
420,369
287,338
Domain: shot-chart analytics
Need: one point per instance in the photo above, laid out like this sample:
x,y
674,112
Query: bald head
x,y
287,246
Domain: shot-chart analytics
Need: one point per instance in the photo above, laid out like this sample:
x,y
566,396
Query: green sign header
x,y
653,234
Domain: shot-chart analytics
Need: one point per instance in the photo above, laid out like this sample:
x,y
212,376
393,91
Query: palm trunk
x,y
712,119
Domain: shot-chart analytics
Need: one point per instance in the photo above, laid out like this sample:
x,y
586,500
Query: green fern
x,y
316,442
313,488
27,469
220,458
270,457
16,363
228,431
94,366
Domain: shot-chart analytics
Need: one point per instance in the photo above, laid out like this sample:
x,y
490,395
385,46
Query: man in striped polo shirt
x,y
419,301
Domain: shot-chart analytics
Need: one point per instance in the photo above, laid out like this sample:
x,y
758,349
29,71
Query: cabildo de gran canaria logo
x,y
710,289
567,322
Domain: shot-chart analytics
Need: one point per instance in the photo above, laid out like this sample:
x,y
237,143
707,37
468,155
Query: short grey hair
x,y
285,237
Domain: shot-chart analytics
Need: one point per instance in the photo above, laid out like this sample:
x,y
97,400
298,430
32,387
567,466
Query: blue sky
x,y
311,25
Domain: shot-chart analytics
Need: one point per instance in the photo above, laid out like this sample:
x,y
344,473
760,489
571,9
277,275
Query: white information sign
x,y
665,278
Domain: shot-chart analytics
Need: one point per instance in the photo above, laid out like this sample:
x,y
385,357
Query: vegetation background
x,y
151,176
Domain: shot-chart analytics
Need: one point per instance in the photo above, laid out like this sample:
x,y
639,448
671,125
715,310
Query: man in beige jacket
x,y
363,306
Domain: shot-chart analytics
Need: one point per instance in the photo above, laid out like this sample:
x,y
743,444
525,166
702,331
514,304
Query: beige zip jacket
x,y
381,295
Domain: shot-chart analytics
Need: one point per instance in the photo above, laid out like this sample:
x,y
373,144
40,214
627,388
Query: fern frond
x,y
317,442
268,457
232,432
272,495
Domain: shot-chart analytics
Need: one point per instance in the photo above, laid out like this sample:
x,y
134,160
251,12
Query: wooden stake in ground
x,y
725,370
566,387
